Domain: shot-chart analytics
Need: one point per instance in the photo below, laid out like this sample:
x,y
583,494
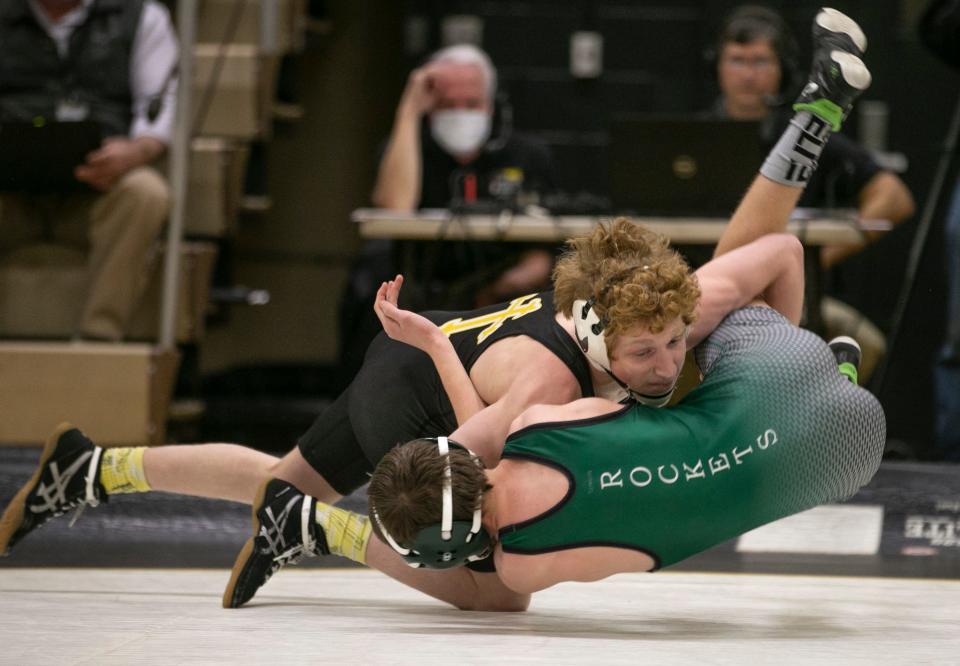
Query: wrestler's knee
x,y
294,468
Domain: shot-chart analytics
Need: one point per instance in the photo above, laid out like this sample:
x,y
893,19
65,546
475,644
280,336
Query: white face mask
x,y
460,132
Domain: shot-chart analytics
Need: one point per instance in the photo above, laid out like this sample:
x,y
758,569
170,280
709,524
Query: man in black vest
x,y
112,62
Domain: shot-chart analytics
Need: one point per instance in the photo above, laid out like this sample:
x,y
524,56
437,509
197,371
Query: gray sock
x,y
794,159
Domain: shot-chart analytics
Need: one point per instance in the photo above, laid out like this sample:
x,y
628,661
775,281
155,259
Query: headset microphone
x,y
503,125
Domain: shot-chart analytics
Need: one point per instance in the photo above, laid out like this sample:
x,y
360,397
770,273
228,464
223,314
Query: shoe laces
x,y
271,537
90,497
51,498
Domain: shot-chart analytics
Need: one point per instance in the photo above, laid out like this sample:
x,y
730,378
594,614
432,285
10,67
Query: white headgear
x,y
588,327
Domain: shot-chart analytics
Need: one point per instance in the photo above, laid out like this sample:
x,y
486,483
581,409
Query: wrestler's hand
x,y
404,325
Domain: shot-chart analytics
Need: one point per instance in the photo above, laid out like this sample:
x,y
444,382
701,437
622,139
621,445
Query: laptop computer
x,y
676,165
40,157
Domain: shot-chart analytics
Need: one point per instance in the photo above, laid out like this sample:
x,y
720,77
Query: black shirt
x,y
444,179
451,272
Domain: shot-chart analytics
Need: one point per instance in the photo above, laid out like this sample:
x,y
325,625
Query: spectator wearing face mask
x,y
444,127
450,148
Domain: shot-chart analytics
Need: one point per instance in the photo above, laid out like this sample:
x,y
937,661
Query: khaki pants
x,y
117,227
842,319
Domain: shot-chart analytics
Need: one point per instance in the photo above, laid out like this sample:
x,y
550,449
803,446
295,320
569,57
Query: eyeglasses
x,y
760,63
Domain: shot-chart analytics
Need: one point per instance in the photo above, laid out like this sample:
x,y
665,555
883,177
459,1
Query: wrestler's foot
x,y
847,352
284,531
838,75
67,476
834,28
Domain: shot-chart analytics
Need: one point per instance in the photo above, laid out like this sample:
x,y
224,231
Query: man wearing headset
x,y
579,492
758,75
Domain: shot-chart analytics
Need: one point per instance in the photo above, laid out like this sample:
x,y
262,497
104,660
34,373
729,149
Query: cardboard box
x,y
216,16
233,90
43,289
117,393
214,186
197,261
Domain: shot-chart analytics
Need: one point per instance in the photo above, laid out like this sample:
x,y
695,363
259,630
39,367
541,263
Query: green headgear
x,y
449,543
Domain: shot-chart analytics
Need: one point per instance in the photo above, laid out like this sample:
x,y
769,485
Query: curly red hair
x,y
633,276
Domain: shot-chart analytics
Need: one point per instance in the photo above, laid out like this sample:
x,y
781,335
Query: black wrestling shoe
x,y
67,477
847,352
284,531
838,31
838,75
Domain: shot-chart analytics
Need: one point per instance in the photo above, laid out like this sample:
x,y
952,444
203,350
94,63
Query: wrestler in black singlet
x,y
397,394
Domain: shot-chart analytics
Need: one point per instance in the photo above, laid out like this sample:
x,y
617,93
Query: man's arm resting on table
x,y
883,197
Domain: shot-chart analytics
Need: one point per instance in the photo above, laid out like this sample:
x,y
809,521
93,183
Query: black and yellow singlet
x,y
532,315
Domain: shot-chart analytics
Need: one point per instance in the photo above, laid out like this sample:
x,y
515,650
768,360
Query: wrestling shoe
x,y
838,75
847,352
67,477
284,531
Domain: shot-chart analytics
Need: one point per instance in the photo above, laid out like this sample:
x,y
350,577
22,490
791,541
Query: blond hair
x,y
633,276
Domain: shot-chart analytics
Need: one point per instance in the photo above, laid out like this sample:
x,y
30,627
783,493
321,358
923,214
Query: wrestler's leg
x,y
393,398
295,469
74,471
233,472
837,77
221,471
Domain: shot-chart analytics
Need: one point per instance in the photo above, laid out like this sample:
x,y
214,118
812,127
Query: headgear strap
x,y
589,327
451,548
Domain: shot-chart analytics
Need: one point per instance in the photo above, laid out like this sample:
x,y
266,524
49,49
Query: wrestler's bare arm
x,y
770,268
547,381
526,574
418,331
541,377
764,209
